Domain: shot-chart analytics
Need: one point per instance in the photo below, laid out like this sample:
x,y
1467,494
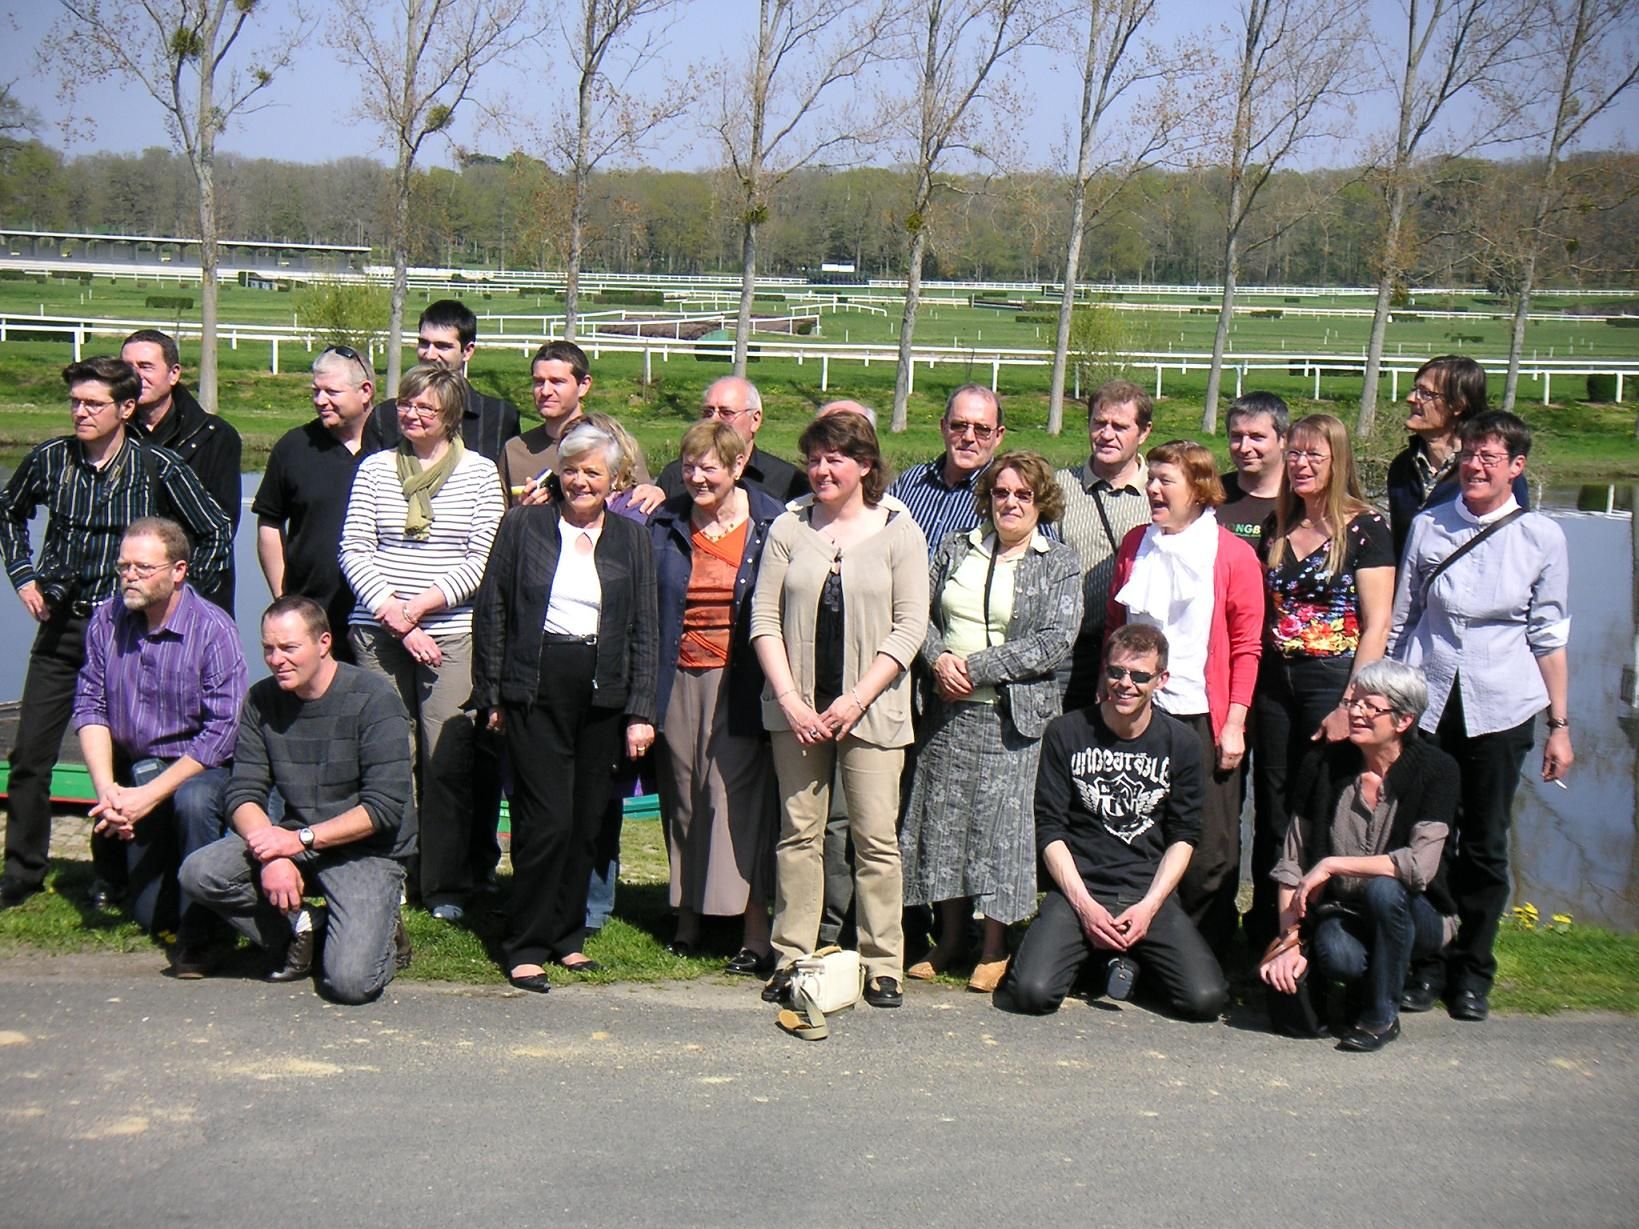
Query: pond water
x,y
1574,849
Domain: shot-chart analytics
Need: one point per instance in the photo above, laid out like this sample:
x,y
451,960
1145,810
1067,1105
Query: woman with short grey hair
x,y
1362,881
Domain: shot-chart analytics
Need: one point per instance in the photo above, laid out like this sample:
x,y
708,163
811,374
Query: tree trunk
x,y
1367,420
1067,306
907,329
401,272
1226,314
577,231
748,290
1516,334
205,173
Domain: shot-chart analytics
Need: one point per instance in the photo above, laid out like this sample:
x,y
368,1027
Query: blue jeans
x,y
189,821
361,890
1376,945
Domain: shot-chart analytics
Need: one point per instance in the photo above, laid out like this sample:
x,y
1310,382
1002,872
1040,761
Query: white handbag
x,y
829,981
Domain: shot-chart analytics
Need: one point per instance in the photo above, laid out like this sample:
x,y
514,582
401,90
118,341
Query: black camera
x,y
59,592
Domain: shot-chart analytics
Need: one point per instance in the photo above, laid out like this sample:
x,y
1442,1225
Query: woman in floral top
x,y
1330,581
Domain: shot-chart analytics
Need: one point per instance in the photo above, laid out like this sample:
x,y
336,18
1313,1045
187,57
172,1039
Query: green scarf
x,y
420,485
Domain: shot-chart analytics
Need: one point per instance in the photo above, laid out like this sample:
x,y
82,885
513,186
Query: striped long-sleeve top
x,y
89,509
382,564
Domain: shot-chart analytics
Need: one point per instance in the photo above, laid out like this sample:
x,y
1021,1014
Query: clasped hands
x,y
274,847
1117,932
813,728
119,807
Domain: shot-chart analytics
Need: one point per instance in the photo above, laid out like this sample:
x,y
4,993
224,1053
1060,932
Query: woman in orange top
x,y
716,778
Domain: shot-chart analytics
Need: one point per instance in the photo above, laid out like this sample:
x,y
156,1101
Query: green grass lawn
x,y
1542,971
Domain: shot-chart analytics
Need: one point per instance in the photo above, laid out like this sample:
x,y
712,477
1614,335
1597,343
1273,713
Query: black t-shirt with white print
x,y
1117,803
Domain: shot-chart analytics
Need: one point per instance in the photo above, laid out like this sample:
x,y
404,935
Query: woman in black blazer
x,y
564,652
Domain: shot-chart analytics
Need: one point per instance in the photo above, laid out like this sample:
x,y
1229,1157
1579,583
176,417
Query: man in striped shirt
x,y
1103,499
939,492
157,712
95,482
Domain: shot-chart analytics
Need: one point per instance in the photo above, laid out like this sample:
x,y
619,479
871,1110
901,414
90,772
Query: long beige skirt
x,y
717,793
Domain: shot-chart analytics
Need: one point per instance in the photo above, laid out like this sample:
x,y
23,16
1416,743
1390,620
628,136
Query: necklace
x,y
719,527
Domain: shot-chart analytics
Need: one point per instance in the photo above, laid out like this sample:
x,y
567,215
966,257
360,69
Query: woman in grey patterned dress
x,y
1005,608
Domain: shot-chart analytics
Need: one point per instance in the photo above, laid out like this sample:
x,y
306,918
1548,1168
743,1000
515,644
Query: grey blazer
x,y
1047,604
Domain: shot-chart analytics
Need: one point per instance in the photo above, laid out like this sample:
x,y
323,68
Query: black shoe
x,y
1468,1005
1419,995
747,963
1123,973
191,963
298,960
681,947
778,987
884,992
1359,1040
585,966
402,951
535,983
13,893
103,896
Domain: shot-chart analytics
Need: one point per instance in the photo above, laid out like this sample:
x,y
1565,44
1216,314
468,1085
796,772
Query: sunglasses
x,y
347,352
1141,678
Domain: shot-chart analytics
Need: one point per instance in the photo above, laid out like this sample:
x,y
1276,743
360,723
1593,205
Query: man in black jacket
x,y
737,402
447,336
1118,811
168,415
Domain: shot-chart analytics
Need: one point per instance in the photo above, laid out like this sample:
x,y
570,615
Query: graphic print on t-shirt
x,y
1123,790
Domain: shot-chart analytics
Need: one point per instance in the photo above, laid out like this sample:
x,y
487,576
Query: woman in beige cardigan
x,y
840,611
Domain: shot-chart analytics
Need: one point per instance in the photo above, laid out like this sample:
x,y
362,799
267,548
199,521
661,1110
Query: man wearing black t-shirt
x,y
303,497
1118,811
1257,425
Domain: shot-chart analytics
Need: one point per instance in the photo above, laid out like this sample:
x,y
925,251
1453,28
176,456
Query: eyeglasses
x,y
721,412
1364,704
1023,494
1419,393
142,571
1488,460
1140,677
90,407
1295,455
980,431
419,409
353,355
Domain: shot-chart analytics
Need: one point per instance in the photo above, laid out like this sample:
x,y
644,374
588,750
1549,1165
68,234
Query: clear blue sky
x,y
311,113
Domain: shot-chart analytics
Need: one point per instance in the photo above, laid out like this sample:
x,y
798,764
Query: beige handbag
x,y
829,981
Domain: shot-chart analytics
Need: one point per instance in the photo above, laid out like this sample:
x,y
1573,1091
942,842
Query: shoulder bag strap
x,y
1104,518
1466,547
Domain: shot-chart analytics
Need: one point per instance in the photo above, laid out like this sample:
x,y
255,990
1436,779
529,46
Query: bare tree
x,y
1590,47
1294,57
1108,73
775,119
1447,47
420,60
960,45
610,118
15,118
178,51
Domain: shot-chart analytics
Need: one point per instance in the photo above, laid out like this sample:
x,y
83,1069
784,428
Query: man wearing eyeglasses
x,y
447,336
169,415
156,707
303,496
939,493
95,482
737,402
1118,812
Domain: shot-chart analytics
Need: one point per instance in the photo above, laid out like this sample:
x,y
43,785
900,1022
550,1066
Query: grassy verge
x,y
1542,971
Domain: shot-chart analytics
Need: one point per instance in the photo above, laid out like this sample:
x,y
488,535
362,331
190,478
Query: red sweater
x,y
1236,640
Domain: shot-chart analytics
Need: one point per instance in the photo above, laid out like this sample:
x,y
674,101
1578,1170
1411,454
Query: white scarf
x,y
1171,588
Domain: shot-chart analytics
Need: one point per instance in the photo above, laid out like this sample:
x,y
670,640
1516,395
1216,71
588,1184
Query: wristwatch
x,y
1559,723
305,836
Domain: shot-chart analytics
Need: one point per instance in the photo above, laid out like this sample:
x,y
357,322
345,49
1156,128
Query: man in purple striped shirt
x,y
156,706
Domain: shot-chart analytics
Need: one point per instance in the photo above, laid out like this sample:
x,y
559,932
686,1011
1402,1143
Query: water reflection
x,y
1574,850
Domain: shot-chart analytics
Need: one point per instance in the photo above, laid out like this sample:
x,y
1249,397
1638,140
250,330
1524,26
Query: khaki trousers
x,y
870,780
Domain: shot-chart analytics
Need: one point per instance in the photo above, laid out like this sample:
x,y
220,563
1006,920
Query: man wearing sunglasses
x,y
939,493
447,336
302,499
156,707
1118,811
169,415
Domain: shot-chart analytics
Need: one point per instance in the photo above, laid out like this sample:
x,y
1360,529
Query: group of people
x,y
856,693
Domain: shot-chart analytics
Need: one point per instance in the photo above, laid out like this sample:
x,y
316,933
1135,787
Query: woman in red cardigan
x,y
1203,587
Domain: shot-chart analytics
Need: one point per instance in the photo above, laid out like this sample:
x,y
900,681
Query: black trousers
x,y
1172,957
563,750
47,704
1490,765
1293,697
1207,890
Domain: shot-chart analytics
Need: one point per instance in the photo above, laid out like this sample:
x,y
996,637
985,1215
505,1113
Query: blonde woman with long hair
x,y
1329,578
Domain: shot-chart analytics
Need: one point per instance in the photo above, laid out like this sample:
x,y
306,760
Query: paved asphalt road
x,y
129,1100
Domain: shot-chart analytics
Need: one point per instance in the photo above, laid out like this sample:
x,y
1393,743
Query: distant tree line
x,y
1164,226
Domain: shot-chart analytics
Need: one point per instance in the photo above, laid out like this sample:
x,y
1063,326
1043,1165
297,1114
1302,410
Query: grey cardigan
x,y
1047,605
